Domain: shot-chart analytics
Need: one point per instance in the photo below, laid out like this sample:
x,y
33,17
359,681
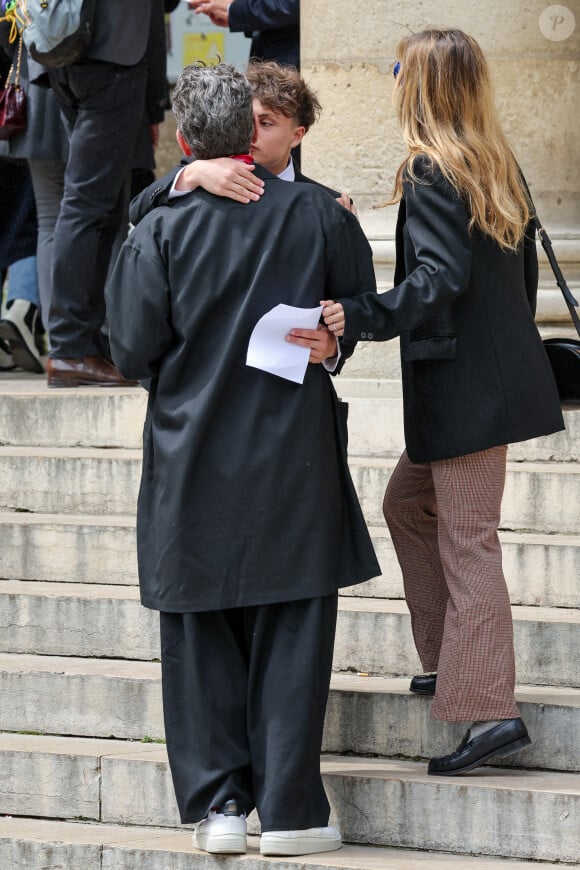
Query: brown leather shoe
x,y
94,371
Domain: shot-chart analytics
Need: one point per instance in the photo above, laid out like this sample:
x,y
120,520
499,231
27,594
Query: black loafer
x,y
510,736
423,684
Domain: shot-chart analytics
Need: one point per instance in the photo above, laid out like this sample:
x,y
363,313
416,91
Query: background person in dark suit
x,y
102,97
245,487
274,25
475,378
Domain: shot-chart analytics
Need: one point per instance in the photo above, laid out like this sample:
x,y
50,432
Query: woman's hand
x,y
346,202
321,343
333,314
223,176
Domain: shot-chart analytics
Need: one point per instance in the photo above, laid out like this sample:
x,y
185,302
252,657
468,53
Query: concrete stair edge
x,y
372,716
106,481
541,569
378,802
117,847
373,635
39,417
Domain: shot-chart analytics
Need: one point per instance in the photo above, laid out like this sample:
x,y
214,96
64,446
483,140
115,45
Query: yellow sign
x,y
206,47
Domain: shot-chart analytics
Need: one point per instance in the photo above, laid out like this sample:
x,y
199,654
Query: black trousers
x,y
244,700
103,105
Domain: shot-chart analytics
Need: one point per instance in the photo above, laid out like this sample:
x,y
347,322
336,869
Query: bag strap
x,y
18,64
560,280
547,246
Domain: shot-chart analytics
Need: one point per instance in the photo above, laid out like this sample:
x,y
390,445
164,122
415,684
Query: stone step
x,y
541,570
32,843
539,496
379,716
373,635
365,716
375,424
68,548
69,480
524,814
35,416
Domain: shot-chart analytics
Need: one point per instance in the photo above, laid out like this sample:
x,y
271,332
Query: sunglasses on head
x,y
397,69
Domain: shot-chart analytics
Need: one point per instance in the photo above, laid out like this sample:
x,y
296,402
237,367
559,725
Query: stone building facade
x,y
533,46
348,52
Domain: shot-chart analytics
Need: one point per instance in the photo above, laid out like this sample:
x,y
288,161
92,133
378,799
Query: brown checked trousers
x,y
443,518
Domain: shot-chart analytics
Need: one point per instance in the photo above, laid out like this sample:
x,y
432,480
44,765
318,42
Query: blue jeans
x,y
23,281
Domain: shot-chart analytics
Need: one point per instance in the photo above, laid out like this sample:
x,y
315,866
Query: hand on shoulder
x,y
222,176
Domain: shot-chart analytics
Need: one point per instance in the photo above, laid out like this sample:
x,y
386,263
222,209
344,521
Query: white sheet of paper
x,y
268,349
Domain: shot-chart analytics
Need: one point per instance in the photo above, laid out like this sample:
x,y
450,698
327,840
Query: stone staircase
x,y
84,781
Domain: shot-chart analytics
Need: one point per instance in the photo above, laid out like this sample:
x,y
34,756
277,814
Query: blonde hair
x,y
445,106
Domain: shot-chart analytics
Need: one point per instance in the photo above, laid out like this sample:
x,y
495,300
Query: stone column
x,y
348,52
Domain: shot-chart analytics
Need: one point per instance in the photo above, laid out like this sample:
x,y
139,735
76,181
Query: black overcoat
x,y
246,496
475,372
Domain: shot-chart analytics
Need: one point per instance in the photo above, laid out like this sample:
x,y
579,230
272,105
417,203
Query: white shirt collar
x,y
288,174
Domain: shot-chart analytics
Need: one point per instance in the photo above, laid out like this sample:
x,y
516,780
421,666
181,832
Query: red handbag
x,y
13,101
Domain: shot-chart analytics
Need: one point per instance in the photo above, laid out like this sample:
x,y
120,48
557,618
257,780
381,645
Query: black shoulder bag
x,y
563,353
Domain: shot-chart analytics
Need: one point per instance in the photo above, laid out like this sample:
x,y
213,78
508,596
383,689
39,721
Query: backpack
x,y
59,32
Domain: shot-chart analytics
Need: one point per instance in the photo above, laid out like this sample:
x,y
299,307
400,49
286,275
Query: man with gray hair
x,y
245,486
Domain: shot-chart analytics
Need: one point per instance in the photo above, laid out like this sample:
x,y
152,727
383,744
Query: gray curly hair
x,y
213,110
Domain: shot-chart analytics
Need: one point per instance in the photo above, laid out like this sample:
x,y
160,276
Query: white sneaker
x,y
300,842
17,329
222,833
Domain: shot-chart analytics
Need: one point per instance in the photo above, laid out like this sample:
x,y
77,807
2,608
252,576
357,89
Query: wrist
x,y
188,178
332,347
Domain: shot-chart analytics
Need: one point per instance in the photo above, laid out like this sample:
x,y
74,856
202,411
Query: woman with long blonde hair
x,y
475,378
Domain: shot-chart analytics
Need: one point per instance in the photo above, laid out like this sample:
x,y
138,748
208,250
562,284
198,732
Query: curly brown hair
x,y
282,89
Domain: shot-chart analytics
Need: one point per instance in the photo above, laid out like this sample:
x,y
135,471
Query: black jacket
x,y
246,497
274,26
475,372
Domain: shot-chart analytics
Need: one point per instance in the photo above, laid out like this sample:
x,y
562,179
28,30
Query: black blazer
x,y
475,372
